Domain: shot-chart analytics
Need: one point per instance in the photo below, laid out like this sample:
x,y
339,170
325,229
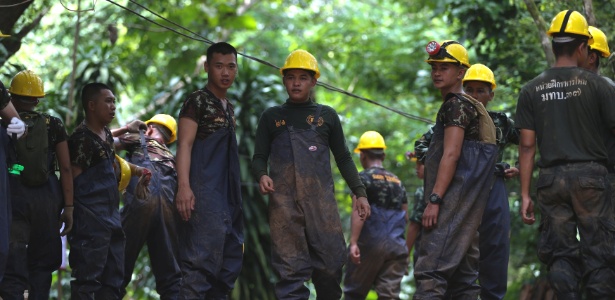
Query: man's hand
x,y
527,210
361,205
511,172
148,175
430,216
266,185
355,254
67,219
184,201
134,126
17,127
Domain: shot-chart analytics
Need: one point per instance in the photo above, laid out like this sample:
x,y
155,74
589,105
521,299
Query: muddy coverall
x,y
211,242
306,230
5,203
97,240
152,221
35,247
448,255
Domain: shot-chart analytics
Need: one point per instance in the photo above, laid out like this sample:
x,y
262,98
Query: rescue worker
x,y
494,230
458,176
39,200
11,125
97,239
560,111
600,48
306,231
378,253
208,198
416,217
151,220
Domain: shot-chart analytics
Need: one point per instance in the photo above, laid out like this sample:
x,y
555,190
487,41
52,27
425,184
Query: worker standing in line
x,y
297,138
413,236
378,253
600,48
458,176
39,200
97,240
11,125
560,111
151,220
208,197
494,230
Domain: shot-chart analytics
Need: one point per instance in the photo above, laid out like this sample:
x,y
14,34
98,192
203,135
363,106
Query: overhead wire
x,y
204,39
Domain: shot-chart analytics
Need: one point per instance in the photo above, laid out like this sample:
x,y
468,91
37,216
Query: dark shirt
x,y
207,111
87,149
4,97
273,122
56,133
157,152
383,188
567,107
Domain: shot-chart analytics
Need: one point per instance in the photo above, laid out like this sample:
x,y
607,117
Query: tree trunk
x,y
545,41
10,12
589,12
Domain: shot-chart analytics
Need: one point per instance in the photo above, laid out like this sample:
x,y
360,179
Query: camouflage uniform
x,y
442,269
383,247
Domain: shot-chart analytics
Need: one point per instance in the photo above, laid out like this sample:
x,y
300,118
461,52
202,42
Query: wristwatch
x,y
435,199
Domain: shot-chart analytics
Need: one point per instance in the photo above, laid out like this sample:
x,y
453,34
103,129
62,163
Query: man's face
x,y
24,103
420,170
221,70
445,75
299,84
479,90
590,64
153,133
102,106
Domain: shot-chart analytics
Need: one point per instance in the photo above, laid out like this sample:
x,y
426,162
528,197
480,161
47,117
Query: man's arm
x,y
356,225
527,150
453,140
184,199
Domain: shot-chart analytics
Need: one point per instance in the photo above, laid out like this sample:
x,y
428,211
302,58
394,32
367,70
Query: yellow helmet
x,y
569,22
2,35
27,83
600,43
301,59
480,72
125,173
370,140
449,51
167,121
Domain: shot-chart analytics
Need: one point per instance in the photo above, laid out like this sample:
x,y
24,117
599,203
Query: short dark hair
x,y
568,48
222,48
372,155
89,91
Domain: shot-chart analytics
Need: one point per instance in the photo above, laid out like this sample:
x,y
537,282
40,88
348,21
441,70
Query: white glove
x,y
17,127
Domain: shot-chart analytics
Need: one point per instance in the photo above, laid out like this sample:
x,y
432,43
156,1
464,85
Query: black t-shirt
x,y
568,108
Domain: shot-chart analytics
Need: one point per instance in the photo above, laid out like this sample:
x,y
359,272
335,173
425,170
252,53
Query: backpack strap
x,y
486,125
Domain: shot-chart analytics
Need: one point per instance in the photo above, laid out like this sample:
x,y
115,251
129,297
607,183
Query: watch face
x,y
435,199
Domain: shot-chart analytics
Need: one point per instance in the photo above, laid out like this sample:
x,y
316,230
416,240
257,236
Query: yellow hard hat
x,y
480,72
167,121
600,43
124,173
2,35
449,51
27,83
370,140
301,59
569,22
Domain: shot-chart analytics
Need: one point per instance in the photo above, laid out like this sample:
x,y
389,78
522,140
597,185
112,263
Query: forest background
x,y
372,49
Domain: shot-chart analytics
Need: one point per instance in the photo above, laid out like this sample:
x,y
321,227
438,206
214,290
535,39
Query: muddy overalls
x,y
152,221
5,203
35,249
211,242
448,255
97,240
306,231
384,256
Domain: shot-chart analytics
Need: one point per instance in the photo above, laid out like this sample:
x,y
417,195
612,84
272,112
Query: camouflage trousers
x,y
575,197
